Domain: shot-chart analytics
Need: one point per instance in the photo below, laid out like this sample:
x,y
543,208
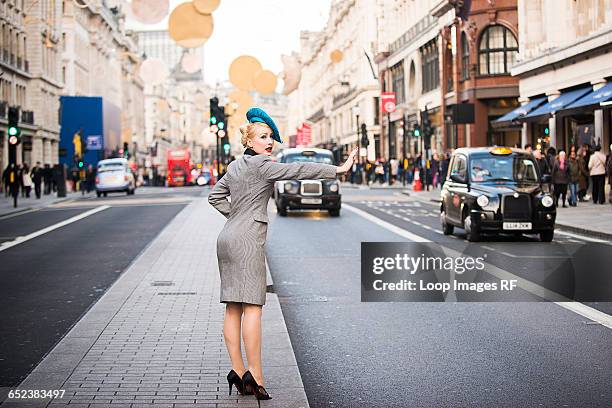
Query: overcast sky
x,y
264,29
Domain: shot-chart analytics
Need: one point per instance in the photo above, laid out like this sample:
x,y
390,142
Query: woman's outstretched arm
x,y
273,171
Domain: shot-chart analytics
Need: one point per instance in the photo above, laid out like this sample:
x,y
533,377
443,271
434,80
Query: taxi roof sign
x,y
501,151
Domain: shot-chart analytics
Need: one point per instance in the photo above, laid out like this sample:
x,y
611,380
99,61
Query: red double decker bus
x,y
179,167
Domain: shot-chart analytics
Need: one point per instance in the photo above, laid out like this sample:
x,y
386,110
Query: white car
x,y
114,175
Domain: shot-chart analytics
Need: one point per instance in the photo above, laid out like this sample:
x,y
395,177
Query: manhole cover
x,y
162,283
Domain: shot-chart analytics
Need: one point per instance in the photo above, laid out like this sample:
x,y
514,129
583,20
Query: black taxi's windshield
x,y
308,157
511,168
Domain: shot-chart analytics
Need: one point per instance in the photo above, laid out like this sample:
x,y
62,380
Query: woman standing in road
x,y
249,181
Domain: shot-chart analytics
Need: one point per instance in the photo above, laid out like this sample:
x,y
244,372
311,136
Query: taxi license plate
x,y
517,225
311,201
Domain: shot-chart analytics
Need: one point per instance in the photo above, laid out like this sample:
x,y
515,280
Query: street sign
x,y
94,142
387,100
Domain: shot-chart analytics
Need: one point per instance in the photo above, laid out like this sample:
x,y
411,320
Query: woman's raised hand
x,y
348,163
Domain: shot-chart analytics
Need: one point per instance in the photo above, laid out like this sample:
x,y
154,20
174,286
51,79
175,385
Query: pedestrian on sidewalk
x,y
249,182
435,170
379,172
36,175
90,178
5,180
597,170
560,178
26,180
393,164
47,178
583,180
21,186
574,178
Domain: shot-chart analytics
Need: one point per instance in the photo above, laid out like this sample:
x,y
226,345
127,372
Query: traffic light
x,y
217,114
546,131
81,163
14,131
126,152
364,136
214,108
416,132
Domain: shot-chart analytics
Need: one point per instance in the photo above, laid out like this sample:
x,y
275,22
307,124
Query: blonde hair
x,y
248,131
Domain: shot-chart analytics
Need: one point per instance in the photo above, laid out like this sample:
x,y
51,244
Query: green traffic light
x,y
13,131
226,147
221,125
213,120
546,131
417,132
81,164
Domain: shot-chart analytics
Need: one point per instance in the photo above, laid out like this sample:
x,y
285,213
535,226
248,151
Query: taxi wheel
x,y
547,236
471,231
447,228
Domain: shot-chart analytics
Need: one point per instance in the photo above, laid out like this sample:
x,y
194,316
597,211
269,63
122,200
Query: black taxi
x,y
307,194
496,190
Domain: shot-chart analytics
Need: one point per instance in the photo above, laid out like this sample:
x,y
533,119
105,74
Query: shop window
x,y
465,57
397,82
498,51
430,67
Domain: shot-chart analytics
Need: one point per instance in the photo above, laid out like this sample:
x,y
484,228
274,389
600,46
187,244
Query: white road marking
x,y
396,230
6,245
584,238
533,288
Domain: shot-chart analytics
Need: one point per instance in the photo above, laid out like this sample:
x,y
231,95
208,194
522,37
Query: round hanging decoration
x,y
189,28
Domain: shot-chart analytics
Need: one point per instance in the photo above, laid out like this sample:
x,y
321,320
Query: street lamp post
x,y
356,113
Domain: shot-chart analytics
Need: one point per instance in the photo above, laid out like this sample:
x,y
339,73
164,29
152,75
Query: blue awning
x,y
565,99
603,94
520,111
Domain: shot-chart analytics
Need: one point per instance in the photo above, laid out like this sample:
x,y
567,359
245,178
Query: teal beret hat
x,y
259,115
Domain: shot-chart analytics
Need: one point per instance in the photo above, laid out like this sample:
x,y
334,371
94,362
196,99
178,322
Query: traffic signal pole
x,y
389,144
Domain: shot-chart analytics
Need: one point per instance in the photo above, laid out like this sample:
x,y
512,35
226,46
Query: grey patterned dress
x,y
249,181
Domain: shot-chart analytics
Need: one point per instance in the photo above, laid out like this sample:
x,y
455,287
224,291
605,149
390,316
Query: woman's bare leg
x,y
251,334
231,332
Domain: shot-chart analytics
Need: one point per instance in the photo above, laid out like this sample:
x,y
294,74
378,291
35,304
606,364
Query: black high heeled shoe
x,y
234,379
251,385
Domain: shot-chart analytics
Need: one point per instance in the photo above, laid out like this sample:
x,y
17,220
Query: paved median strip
x,y
20,240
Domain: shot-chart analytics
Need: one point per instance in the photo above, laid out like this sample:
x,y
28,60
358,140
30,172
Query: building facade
x,y
29,39
409,66
565,73
176,109
451,64
99,58
335,96
53,48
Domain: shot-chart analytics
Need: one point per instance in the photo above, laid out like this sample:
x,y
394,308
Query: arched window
x,y
498,51
465,57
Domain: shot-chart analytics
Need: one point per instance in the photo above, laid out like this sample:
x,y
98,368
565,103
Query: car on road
x,y
114,175
307,194
491,190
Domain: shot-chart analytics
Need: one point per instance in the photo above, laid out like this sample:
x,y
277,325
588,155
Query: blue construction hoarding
x,y
98,124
